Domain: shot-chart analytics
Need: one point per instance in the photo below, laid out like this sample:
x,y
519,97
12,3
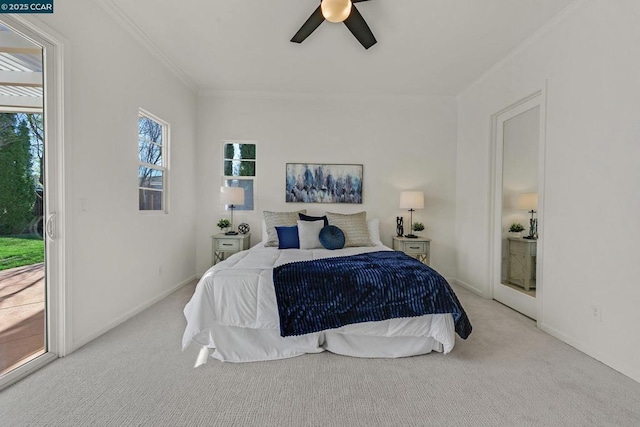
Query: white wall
x,y
116,252
590,62
403,143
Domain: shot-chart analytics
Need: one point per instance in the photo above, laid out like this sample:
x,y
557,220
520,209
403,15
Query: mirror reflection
x,y
520,201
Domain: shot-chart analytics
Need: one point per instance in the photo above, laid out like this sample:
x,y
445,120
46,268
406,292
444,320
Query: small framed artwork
x,y
323,183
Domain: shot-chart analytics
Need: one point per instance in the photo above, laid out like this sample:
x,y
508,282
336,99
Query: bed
x,y
234,313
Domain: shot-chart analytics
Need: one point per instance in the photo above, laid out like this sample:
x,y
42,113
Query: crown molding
x,y
228,94
121,18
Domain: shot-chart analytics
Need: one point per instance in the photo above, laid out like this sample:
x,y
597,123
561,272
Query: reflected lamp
x,y
529,202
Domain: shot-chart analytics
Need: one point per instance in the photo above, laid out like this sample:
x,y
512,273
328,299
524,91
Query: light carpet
x,y
508,373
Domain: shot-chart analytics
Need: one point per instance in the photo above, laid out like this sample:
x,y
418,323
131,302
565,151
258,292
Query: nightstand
x,y
521,268
223,245
417,248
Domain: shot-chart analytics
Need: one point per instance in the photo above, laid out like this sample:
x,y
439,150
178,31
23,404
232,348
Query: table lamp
x,y
411,200
232,196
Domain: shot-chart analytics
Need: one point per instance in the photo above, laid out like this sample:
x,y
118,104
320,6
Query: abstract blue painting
x,y
323,183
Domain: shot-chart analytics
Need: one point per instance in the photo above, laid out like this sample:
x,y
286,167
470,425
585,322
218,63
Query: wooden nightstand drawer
x,y
230,245
224,245
415,247
521,266
518,247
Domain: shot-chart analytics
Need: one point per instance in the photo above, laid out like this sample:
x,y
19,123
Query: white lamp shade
x,y
527,201
412,200
335,10
232,196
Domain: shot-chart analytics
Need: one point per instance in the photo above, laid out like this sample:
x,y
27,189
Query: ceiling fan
x,y
338,11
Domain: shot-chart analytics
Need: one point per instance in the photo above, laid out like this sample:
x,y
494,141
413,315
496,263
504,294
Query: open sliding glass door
x,y
29,194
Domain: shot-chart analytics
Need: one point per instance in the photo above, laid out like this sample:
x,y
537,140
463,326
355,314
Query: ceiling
x,y
20,73
424,46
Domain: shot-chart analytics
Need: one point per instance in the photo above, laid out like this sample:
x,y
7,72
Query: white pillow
x,y
309,234
265,235
374,231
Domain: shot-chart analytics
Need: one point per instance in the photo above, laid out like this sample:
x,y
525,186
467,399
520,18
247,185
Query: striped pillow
x,y
354,227
271,219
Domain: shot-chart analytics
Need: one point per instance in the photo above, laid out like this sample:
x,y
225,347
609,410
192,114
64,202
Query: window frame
x,y
164,168
226,178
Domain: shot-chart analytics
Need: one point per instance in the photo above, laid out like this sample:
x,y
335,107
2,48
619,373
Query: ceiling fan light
x,y
336,10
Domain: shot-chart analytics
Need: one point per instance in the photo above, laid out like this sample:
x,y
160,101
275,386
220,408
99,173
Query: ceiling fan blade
x,y
357,1
359,28
309,27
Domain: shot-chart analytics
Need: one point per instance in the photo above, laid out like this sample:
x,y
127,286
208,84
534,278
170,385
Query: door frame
x,y
58,313
498,291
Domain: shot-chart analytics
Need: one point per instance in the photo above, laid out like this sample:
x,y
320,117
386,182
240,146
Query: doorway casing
x,y
57,234
504,294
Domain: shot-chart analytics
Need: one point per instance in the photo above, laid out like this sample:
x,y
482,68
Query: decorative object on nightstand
x,y
418,226
244,228
223,245
516,229
399,226
417,247
411,200
232,196
223,223
529,202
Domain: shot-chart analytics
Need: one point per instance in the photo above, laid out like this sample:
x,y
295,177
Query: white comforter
x,y
239,293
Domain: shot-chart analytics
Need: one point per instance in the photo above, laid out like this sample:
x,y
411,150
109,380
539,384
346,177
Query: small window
x,y
153,149
239,165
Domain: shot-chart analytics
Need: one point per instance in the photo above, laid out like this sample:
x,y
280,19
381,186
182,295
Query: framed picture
x,y
323,183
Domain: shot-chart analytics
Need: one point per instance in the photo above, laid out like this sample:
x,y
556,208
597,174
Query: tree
x,y
36,128
149,148
17,189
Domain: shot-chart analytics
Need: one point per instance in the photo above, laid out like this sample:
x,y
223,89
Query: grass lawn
x,y
17,251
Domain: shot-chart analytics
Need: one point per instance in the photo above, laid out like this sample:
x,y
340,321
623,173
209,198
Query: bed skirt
x,y
238,344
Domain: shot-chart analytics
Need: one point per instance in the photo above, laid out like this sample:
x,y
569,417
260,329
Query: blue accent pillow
x,y
304,217
332,237
288,237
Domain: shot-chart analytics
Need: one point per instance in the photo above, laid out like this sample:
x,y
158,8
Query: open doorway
x,y
22,202
31,97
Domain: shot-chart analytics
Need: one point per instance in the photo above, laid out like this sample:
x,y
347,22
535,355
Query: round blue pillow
x,y
331,237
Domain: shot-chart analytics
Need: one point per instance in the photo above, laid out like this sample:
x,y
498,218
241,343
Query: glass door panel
x,y
23,291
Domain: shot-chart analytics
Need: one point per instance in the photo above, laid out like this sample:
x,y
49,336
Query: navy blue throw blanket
x,y
333,292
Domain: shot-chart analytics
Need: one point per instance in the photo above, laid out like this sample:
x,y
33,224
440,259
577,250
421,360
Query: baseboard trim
x,y
128,315
469,287
622,368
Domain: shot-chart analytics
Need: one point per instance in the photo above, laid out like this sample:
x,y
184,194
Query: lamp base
x,y
231,233
410,236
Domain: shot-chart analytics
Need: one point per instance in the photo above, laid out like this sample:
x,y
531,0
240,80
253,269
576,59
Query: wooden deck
x,y
22,320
